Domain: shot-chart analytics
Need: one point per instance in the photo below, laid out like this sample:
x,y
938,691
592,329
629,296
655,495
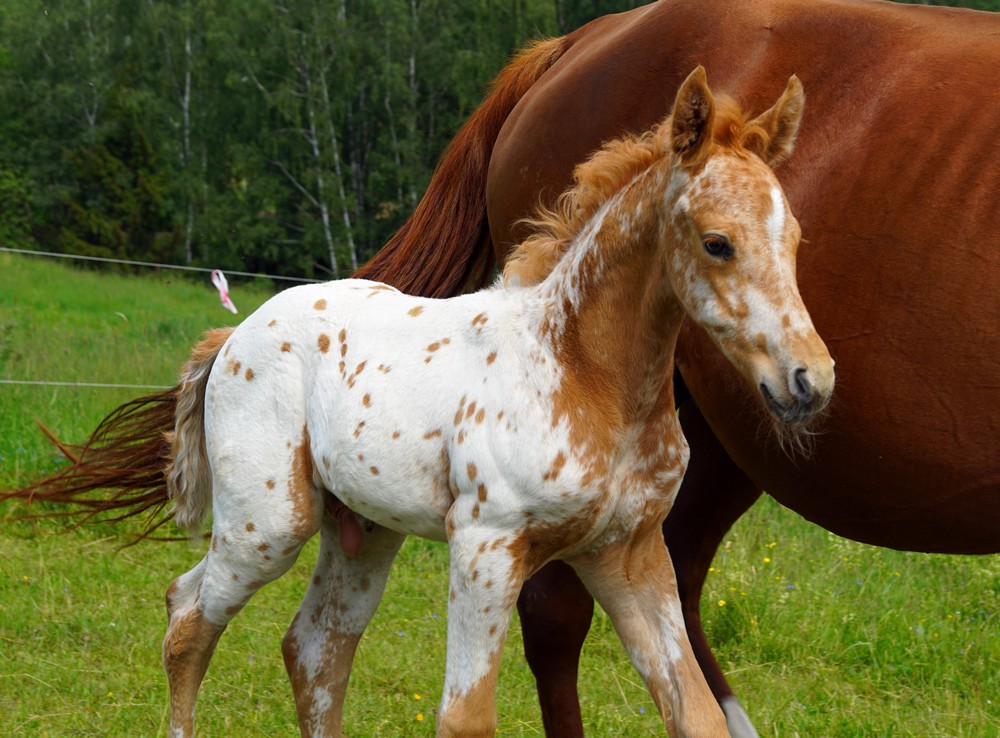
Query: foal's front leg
x,y
320,643
635,584
485,578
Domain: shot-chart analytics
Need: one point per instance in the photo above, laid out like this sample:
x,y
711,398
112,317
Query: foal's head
x,y
732,263
720,231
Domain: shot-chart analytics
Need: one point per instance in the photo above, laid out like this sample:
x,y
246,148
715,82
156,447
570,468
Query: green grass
x,y
820,636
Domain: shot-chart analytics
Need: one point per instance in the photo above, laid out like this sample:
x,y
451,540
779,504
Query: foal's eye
x,y
717,246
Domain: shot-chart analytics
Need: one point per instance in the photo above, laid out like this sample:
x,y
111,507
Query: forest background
x,y
290,137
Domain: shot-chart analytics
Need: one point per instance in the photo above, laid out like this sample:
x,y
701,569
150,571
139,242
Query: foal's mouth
x,y
793,412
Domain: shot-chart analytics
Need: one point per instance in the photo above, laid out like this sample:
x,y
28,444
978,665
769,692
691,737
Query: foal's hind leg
x,y
259,527
634,582
320,643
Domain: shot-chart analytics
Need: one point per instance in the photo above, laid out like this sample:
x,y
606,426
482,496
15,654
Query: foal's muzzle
x,y
805,395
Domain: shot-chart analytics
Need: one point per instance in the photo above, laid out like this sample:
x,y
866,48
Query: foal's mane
x,y
606,172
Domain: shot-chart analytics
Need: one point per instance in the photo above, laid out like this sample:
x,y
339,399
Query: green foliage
x,y
251,135
819,636
15,209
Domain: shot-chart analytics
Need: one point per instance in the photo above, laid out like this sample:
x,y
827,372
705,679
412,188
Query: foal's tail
x,y
146,453
444,247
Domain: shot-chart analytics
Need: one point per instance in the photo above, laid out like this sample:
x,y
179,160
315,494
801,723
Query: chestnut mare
x,y
894,180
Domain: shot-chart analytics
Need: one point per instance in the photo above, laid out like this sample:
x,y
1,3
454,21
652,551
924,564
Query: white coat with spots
x,y
530,421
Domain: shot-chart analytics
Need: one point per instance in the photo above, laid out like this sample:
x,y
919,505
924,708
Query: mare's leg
x,y
634,582
485,575
320,643
715,493
259,526
556,610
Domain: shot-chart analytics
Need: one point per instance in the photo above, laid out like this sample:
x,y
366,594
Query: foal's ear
x,y
691,121
781,123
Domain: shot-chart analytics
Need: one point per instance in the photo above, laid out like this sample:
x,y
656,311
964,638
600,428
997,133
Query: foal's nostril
x,y
802,388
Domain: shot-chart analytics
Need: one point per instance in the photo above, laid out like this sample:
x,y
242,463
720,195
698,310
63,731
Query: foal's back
x,y
386,400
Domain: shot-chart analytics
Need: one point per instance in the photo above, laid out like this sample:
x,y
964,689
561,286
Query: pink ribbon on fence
x,y
219,280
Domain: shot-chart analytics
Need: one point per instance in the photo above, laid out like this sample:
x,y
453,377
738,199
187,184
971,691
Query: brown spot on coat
x,y
415,311
319,305
432,434
269,484
461,411
481,415
482,492
471,470
395,435
273,323
249,374
353,378
324,342
250,527
434,346
557,464
301,492
286,347
366,400
491,358
357,431
374,470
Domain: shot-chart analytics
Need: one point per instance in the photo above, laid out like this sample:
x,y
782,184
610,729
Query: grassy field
x,y
820,636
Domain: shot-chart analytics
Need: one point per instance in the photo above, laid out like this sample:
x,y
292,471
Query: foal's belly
x,y
390,485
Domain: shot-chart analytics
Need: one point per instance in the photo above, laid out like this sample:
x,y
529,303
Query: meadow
x,y
820,636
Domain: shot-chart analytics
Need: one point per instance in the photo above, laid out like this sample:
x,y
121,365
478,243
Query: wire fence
x,y
151,264
127,262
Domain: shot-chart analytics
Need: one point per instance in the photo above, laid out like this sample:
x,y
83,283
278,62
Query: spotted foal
x,y
530,421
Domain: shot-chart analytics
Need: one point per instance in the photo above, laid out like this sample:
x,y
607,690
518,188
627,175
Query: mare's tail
x,y
144,454
444,247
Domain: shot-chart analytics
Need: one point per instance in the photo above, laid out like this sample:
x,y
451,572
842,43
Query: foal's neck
x,y
611,315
